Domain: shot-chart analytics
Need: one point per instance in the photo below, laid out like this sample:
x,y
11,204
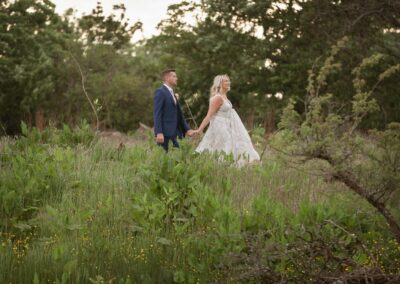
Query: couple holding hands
x,y
226,132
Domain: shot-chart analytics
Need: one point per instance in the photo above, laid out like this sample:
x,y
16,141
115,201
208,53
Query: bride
x,y
226,132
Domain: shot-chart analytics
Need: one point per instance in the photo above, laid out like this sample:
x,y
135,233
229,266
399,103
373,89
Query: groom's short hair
x,y
166,72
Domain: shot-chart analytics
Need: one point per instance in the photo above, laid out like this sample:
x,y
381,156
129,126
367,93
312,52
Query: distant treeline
x,y
62,69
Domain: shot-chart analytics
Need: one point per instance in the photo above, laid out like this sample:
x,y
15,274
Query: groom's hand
x,y
160,138
196,132
189,133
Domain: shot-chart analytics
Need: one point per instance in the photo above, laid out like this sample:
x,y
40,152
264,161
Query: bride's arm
x,y
215,104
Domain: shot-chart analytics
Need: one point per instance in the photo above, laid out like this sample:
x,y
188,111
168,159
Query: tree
x,y
97,28
269,46
47,60
204,50
368,166
112,74
32,38
117,82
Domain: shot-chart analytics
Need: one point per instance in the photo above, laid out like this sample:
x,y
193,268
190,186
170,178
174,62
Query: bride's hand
x,y
197,132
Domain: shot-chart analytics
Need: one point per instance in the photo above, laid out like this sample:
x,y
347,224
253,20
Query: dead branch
x,y
84,91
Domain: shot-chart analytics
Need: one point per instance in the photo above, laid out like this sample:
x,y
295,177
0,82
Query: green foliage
x,y
95,213
73,210
176,198
81,134
47,61
206,49
32,171
98,28
265,46
274,44
32,37
116,81
368,169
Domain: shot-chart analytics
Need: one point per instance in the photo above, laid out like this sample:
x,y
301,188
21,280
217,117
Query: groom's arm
x,y
158,107
185,126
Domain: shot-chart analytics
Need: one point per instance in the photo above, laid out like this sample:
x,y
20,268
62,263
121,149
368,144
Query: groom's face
x,y
172,79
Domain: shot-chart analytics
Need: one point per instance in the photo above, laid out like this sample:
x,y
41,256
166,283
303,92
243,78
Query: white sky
x,y
149,12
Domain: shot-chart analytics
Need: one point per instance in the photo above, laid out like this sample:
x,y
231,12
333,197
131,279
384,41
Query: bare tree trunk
x,y
250,120
28,119
269,123
39,119
348,179
354,186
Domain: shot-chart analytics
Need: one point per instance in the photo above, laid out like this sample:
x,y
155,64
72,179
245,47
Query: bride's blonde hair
x,y
216,86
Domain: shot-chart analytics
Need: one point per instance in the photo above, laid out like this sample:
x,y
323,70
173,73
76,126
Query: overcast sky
x,y
149,12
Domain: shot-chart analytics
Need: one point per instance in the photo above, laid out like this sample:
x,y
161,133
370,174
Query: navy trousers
x,y
167,139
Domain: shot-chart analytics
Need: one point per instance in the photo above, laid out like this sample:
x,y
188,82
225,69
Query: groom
x,y
169,122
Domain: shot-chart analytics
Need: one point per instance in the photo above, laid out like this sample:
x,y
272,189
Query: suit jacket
x,y
168,116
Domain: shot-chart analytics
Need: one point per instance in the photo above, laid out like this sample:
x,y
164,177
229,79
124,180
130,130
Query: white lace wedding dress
x,y
226,133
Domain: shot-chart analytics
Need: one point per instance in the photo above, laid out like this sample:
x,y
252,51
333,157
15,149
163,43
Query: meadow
x,y
76,209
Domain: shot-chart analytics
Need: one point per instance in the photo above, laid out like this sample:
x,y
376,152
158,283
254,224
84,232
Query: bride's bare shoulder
x,y
217,98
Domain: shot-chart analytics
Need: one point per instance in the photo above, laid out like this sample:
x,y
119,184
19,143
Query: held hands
x,y
197,132
193,133
190,133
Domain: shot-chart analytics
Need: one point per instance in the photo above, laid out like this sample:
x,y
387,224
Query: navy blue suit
x,y
168,117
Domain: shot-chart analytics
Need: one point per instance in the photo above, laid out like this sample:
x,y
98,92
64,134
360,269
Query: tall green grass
x,y
73,211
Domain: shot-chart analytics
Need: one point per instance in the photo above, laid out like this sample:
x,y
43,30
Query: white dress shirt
x,y
171,91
